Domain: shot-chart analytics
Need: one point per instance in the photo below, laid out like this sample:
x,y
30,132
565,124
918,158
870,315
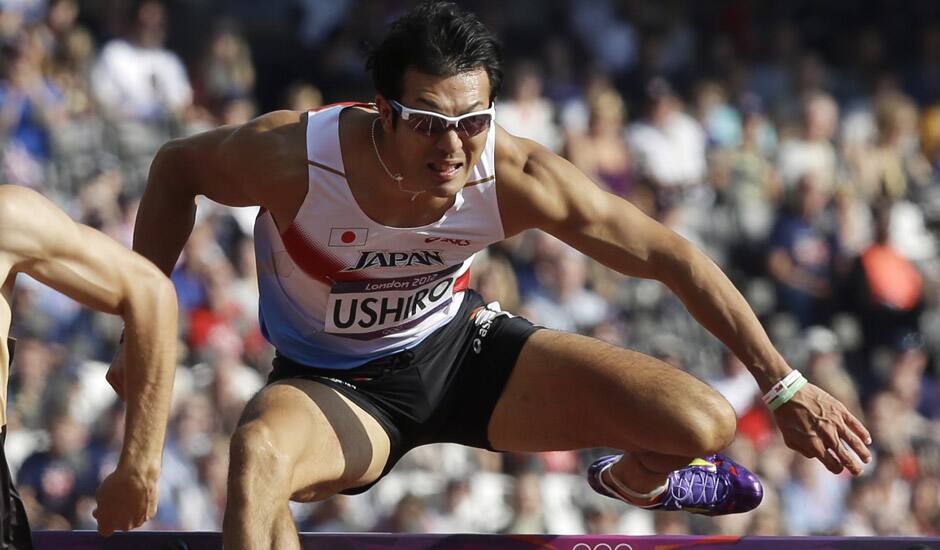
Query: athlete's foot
x,y
713,486
601,478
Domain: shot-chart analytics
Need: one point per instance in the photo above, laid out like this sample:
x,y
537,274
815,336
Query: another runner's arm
x,y
95,270
232,165
551,194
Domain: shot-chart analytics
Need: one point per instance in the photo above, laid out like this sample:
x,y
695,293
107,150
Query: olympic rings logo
x,y
601,546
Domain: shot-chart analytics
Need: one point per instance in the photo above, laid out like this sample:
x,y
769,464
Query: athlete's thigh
x,y
330,443
569,391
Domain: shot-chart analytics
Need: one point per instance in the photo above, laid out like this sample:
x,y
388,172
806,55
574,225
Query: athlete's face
x,y
435,155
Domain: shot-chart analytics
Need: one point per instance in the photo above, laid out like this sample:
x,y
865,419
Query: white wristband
x,y
780,388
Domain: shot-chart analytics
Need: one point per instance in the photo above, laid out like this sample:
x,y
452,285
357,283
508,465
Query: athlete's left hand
x,y
126,499
817,425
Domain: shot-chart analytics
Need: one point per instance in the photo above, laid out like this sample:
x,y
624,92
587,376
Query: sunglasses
x,y
432,123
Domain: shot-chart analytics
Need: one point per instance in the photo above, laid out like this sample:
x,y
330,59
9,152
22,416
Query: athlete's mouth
x,y
445,169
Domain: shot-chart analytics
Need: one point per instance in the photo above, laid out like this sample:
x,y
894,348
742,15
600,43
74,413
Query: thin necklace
x,y
396,177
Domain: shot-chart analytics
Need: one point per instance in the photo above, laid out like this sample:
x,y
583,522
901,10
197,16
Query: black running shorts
x,y
442,390
14,528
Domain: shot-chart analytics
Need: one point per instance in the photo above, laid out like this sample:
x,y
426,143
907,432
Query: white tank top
x,y
339,289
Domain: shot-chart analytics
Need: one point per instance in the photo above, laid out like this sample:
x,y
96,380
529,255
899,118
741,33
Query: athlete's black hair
x,y
436,38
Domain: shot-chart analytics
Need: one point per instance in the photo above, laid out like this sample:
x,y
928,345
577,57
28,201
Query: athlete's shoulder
x,y
511,151
519,159
267,133
266,145
269,153
270,132
276,120
537,187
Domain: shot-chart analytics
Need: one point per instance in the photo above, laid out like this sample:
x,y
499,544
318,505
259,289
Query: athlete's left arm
x,y
538,189
97,271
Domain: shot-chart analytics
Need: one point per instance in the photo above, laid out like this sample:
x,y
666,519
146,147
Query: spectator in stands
x,y
29,384
813,500
895,167
136,77
602,152
721,122
908,378
925,505
801,254
31,107
410,515
328,516
749,180
456,513
142,90
563,300
57,477
885,290
526,504
525,111
303,96
669,145
225,73
812,152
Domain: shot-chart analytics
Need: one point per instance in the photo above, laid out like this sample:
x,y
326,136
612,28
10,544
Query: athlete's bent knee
x,y
704,426
255,461
717,424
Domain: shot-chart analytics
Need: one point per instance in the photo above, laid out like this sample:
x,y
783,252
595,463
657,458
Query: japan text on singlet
x,y
339,289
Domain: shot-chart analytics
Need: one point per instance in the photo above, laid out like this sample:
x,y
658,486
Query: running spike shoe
x,y
713,486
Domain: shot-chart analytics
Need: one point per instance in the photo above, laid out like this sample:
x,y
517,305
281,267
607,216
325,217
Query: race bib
x,y
377,307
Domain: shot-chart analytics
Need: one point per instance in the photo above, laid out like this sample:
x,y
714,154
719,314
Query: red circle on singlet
x,y
348,237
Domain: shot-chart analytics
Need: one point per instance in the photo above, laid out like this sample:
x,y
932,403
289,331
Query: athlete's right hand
x,y
115,375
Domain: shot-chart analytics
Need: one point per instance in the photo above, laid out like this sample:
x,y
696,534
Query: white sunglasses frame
x,y
452,121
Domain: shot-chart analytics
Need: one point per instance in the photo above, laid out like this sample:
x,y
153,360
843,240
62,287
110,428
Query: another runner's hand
x,y
126,499
818,426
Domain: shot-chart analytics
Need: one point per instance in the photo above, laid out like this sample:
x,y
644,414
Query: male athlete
x,y
371,217
39,240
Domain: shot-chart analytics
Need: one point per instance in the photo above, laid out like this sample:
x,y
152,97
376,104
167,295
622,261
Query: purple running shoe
x,y
714,486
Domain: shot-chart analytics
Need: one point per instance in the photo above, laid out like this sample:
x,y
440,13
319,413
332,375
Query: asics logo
x,y
481,334
457,242
483,318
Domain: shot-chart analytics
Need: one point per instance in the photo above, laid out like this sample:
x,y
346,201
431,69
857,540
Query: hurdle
x,y
175,540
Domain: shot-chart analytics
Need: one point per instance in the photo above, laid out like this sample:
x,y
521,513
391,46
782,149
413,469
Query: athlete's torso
x,y
339,289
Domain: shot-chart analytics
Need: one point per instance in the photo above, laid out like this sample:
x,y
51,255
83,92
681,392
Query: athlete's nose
x,y
449,141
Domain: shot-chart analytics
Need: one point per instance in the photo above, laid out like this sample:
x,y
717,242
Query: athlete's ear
x,y
386,113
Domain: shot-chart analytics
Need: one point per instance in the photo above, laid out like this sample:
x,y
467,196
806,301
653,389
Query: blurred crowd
x,y
797,143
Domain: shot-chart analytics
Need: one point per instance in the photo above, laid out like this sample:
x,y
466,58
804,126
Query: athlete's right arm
x,y
254,164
